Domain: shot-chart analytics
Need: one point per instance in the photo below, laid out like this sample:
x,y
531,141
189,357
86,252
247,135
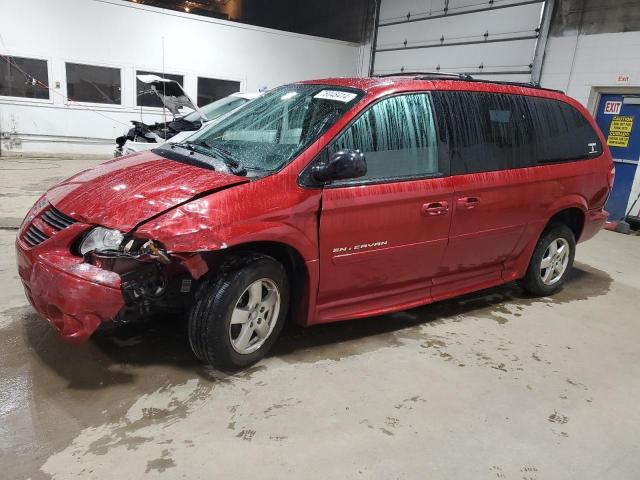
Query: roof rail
x,y
427,75
465,77
519,84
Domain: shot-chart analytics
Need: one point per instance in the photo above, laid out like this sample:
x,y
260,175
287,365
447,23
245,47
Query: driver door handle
x,y
435,208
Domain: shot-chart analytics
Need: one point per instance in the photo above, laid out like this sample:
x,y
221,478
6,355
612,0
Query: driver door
x,y
382,236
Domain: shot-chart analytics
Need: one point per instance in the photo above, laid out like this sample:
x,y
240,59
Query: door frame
x,y
597,92
592,105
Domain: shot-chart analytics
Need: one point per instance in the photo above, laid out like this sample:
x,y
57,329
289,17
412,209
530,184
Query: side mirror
x,y
341,165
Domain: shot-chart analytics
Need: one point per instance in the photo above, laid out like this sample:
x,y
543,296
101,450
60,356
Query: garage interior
x,y
493,385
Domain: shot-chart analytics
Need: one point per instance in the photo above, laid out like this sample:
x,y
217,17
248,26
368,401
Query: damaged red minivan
x,y
323,201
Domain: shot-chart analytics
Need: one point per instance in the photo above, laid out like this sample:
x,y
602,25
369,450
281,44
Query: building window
x,y
145,96
212,89
23,77
89,83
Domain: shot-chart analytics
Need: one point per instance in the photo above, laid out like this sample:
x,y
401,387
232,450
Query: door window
x,y
397,136
486,132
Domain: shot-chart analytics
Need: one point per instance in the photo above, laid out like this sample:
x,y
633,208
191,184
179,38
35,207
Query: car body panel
x,y
125,191
380,239
73,296
191,210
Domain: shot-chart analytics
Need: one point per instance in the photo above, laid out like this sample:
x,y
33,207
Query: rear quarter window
x,y
489,132
563,133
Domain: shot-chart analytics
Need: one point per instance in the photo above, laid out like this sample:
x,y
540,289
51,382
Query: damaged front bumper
x,y
74,296
77,294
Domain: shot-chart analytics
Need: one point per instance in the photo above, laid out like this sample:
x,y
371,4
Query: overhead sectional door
x,y
492,39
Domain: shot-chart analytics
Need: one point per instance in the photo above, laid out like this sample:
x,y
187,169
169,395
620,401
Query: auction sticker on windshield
x,y
336,95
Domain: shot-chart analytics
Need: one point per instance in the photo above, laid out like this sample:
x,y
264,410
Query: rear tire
x,y
237,316
551,261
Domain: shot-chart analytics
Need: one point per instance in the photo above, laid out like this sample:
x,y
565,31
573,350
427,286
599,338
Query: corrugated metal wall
x,y
490,38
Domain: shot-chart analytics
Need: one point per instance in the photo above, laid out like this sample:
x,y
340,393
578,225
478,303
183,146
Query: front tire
x,y
551,261
237,317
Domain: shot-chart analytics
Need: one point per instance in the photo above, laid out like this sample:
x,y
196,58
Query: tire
x,y
560,264
214,339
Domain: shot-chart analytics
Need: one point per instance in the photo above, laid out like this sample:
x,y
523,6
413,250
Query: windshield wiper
x,y
205,149
234,164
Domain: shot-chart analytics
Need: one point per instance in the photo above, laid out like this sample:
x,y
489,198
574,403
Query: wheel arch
x,y
572,217
570,210
299,276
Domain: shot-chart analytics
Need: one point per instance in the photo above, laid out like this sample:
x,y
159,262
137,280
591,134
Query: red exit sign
x,y
612,108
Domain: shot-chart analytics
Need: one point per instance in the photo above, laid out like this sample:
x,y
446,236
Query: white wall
x,y
586,65
122,34
578,63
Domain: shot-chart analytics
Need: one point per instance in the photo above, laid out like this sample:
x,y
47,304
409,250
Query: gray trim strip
x,y
476,10
455,44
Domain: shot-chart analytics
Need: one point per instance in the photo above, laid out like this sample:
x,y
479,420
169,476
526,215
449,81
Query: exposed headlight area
x,y
144,267
107,242
101,239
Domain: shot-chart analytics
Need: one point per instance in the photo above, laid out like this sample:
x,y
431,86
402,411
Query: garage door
x,y
494,39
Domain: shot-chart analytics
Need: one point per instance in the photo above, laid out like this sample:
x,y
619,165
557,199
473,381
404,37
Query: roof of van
x,y
433,81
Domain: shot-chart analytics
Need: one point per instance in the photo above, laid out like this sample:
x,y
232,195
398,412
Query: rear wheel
x,y
237,317
551,261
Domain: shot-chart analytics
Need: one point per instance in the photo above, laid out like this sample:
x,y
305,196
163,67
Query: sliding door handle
x,y
468,203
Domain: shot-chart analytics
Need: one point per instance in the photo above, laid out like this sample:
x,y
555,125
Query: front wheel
x,y
237,317
551,261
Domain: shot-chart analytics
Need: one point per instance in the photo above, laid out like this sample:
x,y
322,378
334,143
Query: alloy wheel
x,y
554,261
254,316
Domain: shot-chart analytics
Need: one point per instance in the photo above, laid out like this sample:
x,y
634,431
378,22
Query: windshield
x,y
270,131
216,109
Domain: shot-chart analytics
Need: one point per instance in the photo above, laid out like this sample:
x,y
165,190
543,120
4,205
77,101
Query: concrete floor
x,y
491,386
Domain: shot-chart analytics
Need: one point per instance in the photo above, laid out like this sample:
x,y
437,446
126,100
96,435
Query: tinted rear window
x,y
488,132
563,133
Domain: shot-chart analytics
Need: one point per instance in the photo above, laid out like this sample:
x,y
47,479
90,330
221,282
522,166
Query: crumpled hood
x,y
123,192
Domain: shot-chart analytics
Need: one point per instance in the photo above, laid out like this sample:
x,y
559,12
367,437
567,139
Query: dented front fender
x,y
234,217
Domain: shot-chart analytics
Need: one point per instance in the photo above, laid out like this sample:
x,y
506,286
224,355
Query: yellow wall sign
x,y
620,131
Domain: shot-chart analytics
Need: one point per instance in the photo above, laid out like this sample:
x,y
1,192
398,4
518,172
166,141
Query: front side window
x,y
397,136
270,131
89,83
23,77
145,96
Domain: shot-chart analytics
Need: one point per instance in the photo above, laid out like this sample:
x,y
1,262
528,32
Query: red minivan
x,y
322,201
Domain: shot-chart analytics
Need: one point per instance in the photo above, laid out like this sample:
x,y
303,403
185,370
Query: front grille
x,y
46,224
56,219
34,236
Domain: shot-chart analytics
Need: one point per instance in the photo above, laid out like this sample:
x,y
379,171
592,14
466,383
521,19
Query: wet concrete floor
x,y
494,385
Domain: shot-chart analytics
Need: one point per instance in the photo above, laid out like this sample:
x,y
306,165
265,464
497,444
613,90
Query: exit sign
x,y
612,108
623,78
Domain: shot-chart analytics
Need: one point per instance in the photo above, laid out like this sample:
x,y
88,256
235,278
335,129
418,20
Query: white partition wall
x,y
130,37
